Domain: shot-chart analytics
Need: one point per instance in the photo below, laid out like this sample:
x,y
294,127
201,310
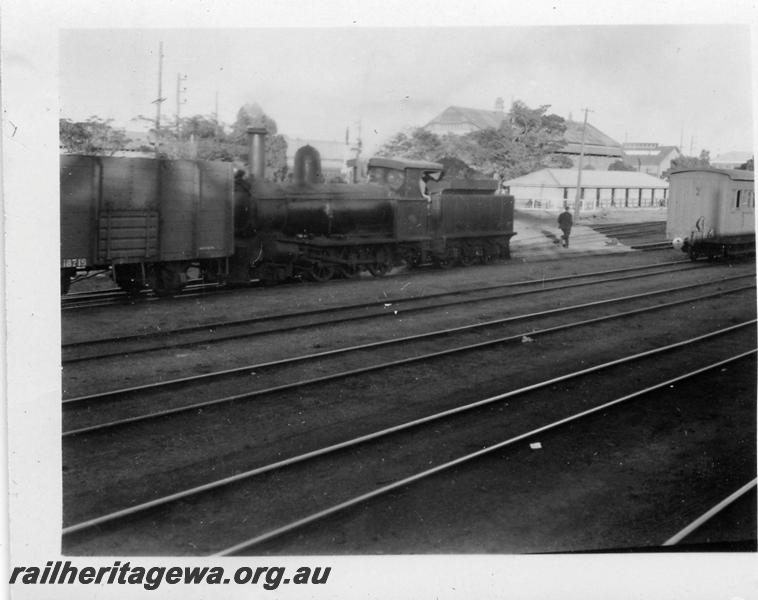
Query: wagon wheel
x,y
466,259
129,278
66,277
167,279
320,272
441,263
693,254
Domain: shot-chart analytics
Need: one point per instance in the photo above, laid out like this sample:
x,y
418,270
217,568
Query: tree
x,y
93,136
455,168
748,165
620,165
416,144
200,127
689,162
526,140
252,115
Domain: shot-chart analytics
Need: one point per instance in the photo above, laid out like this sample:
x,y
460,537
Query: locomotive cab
x,y
405,178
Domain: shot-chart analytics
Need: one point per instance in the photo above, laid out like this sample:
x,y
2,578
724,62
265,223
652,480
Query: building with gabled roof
x,y
555,188
461,120
650,158
600,150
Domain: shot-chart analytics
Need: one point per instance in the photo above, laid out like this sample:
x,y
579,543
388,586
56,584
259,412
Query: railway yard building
x,y
552,188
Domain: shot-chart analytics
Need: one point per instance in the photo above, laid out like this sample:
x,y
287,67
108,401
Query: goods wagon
x,y
711,212
148,220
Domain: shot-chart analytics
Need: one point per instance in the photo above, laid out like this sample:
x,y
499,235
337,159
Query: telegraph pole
x,y
578,196
159,100
179,91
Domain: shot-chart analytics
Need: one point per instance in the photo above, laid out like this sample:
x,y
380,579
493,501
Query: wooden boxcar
x,y
146,219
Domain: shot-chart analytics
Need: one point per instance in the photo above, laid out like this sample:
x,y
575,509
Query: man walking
x,y
565,221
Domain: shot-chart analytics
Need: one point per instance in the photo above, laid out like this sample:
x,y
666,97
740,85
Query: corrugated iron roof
x,y
593,137
590,178
481,119
595,141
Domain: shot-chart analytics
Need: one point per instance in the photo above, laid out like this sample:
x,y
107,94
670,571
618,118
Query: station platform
x,y
537,238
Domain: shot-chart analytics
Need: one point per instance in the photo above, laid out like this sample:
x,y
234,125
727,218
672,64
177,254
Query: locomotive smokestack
x,y
257,158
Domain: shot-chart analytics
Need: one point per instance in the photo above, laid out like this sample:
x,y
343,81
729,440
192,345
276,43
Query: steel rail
x,y
380,303
463,459
105,396
404,426
710,513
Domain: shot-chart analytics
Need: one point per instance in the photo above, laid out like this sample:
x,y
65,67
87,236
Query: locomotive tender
x,y
711,212
150,220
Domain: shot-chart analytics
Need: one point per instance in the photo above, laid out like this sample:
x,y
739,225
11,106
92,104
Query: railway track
x,y
336,477
691,532
625,230
124,407
175,468
118,297
97,349
642,232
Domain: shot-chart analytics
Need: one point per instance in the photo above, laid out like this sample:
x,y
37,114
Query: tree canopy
x,y
620,165
93,136
684,162
526,140
193,137
749,165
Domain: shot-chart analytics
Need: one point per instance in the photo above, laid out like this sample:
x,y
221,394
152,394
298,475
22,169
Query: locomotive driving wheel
x,y
382,263
379,269
350,269
320,272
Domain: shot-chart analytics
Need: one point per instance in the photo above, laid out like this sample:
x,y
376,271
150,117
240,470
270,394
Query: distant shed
x,y
554,188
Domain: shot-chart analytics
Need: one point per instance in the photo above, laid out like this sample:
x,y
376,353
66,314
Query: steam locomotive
x,y
150,220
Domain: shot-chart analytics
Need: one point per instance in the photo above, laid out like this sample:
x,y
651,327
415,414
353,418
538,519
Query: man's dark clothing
x,y
565,221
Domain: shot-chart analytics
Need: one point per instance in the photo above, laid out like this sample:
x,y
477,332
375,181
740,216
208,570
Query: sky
x,y
683,85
